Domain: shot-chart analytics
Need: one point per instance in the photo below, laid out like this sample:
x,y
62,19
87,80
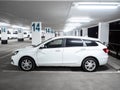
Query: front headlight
x,y
15,52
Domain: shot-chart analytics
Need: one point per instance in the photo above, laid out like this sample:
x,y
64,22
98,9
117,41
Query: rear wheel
x,y
27,64
89,64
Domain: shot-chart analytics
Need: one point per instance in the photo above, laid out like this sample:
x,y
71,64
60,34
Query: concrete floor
x,y
55,78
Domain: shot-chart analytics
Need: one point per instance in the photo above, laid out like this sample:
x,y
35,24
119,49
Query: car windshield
x,y
41,42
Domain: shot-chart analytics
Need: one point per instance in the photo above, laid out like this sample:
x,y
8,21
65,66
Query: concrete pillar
x,y
4,37
85,32
48,33
67,33
53,34
20,35
61,34
103,34
36,33
73,33
56,34
77,32
70,33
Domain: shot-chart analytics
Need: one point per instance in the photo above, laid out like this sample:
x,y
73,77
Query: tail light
x,y
106,50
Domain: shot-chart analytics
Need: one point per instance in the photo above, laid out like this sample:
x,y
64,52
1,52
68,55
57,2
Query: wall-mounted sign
x,y
36,32
36,26
47,29
4,35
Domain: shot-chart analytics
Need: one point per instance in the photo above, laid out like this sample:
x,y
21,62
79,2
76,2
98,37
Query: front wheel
x,y
89,64
27,64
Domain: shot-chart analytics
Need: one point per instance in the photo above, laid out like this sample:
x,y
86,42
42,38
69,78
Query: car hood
x,y
26,49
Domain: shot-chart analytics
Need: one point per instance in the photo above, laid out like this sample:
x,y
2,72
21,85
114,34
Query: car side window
x,y
90,42
54,43
73,42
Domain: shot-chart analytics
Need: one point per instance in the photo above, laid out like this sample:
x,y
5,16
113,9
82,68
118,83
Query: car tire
x,y
27,64
89,64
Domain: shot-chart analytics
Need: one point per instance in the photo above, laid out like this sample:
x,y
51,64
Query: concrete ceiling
x,y
51,13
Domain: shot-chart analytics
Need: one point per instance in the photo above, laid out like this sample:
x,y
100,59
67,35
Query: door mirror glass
x,y
43,46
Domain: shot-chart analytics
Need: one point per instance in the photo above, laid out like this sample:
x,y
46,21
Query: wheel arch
x,y
91,57
29,57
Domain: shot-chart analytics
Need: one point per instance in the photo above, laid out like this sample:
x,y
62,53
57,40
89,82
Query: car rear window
x,y
74,42
90,42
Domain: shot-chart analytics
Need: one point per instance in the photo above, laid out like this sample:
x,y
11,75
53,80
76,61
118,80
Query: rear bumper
x,y
103,60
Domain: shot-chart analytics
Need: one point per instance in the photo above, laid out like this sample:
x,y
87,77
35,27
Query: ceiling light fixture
x,y
96,5
73,24
15,26
79,19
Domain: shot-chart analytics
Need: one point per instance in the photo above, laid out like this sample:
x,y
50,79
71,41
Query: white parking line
x,y
11,71
114,72
108,72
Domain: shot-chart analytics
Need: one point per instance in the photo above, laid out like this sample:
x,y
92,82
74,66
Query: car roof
x,y
77,37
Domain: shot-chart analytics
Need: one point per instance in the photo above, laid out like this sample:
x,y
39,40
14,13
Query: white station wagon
x,y
86,52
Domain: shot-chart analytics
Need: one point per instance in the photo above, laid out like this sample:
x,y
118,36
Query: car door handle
x,y
83,49
57,50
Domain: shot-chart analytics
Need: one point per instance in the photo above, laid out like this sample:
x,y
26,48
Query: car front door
x,y
51,54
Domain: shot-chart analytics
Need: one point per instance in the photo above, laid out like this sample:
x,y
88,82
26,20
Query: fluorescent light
x,y
26,28
4,24
96,5
15,26
73,24
79,19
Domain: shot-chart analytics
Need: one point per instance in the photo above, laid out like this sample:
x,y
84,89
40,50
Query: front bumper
x,y
14,60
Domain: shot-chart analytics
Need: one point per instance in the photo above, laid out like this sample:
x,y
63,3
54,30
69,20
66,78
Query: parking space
x,y
58,81
53,78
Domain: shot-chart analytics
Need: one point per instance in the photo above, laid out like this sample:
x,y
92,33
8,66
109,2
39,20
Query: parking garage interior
x,y
55,18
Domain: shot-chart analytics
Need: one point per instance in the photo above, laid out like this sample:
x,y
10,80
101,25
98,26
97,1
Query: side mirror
x,y
42,47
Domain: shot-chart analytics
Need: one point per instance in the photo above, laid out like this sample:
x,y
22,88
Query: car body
x,y
63,51
15,34
9,35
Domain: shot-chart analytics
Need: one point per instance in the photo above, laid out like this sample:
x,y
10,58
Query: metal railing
x,y
114,49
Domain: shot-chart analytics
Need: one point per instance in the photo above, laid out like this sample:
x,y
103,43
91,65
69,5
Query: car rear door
x,y
73,51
